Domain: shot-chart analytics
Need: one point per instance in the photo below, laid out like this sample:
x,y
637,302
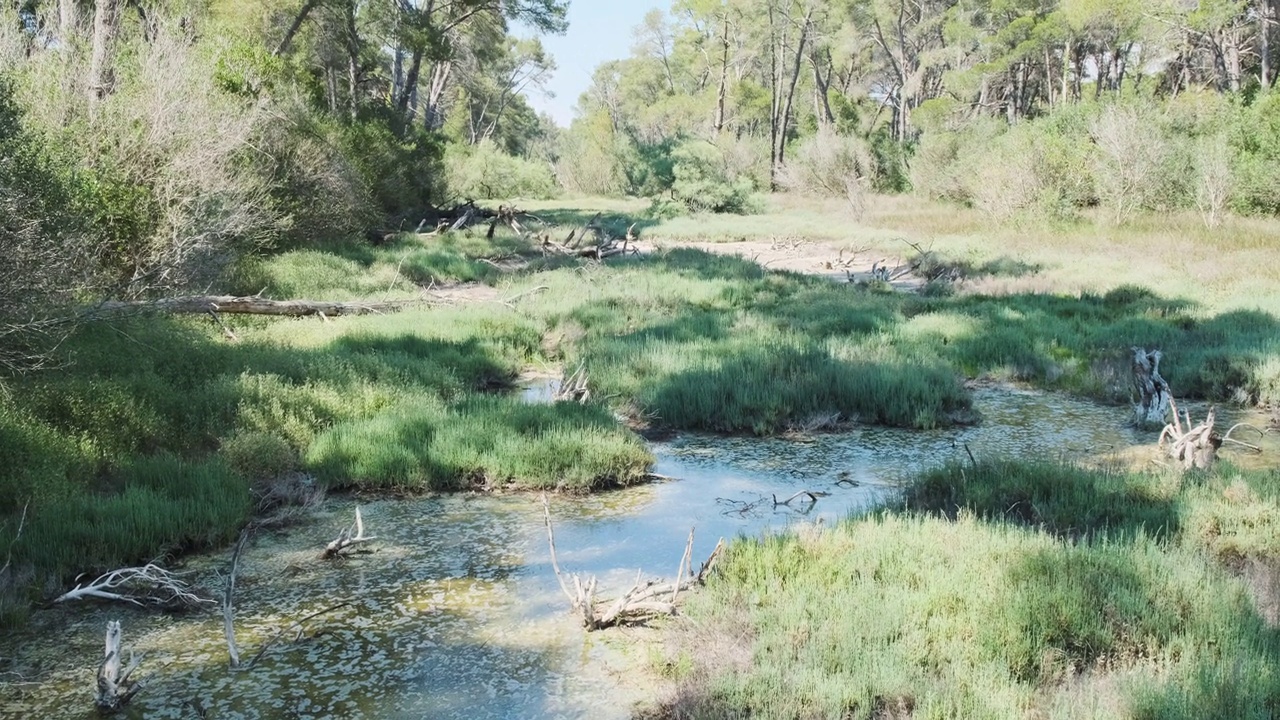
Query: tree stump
x,y
1152,405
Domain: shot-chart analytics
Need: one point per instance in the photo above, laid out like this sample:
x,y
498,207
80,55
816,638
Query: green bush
x,y
403,173
259,455
483,171
1255,139
702,182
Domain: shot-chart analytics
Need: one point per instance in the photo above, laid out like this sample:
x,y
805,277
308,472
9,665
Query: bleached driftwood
x,y
228,603
645,599
146,585
348,538
1196,446
573,388
1154,396
602,245
114,688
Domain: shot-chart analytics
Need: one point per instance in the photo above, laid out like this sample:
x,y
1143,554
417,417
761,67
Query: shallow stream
x,y
457,614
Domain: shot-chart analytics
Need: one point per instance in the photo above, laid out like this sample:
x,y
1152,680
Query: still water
x,y
457,614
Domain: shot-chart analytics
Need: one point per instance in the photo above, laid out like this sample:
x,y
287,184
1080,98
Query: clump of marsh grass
x,y
1001,590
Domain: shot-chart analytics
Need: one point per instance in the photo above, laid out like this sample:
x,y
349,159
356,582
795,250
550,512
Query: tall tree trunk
x,y
410,81
106,25
397,73
821,87
298,19
717,123
440,74
68,22
1264,41
353,60
791,87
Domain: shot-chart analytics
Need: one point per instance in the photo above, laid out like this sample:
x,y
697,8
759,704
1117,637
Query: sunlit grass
x,y
1002,590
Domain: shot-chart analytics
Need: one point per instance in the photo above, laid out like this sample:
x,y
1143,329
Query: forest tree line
x,y
1040,106
147,146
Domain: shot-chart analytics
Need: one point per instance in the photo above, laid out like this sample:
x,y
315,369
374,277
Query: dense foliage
x,y
1016,107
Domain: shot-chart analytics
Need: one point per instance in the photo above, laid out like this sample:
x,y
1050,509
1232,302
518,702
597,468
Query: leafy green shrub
x,y
702,182
403,173
259,455
41,254
1255,139
485,171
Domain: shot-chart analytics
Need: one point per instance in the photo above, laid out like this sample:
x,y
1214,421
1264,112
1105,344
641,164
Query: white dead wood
x,y
146,585
1196,446
603,246
114,687
1226,438
349,538
644,600
228,603
573,388
811,495
1154,396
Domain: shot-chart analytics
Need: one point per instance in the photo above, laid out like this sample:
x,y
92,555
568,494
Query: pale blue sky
x,y
599,30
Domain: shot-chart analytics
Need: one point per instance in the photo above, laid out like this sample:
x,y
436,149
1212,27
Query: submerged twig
x,y
296,623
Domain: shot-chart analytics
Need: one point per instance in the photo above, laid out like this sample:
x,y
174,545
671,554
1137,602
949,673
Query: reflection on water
x,y
457,613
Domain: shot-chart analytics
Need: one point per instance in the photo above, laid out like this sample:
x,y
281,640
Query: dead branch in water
x,y
573,388
813,497
228,602
1228,439
146,585
352,536
643,601
114,689
296,624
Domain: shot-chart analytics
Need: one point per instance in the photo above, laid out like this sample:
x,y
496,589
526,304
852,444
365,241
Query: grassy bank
x,y
678,338
158,434
1006,590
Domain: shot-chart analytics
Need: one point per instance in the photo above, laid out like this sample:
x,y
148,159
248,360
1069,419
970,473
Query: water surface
x,y
457,614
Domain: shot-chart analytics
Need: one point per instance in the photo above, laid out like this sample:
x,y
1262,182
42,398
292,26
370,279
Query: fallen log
x,y
250,305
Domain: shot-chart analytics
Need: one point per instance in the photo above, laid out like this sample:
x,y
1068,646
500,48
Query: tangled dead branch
x,y
297,626
644,600
348,538
601,246
573,388
1196,446
114,688
146,585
